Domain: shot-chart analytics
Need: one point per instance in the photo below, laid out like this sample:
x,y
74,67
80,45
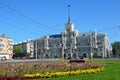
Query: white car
x,y
3,58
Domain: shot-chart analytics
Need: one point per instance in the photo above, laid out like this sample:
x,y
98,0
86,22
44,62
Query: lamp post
x,y
90,45
36,48
63,44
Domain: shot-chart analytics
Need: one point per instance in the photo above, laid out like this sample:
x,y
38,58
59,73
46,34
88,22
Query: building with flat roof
x,y
6,46
27,47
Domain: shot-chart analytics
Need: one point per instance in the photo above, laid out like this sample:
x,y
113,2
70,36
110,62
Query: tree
x,y
18,50
116,48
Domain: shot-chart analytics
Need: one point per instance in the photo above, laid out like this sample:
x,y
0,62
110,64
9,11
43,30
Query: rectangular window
x,y
100,49
1,40
1,45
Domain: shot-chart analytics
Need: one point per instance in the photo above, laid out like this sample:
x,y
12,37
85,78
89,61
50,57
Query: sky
x,y
30,19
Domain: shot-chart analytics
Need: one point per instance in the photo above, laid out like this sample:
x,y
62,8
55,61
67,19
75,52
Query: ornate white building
x,y
72,44
69,44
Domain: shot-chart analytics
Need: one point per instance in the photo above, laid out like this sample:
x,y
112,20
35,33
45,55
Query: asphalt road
x,y
45,60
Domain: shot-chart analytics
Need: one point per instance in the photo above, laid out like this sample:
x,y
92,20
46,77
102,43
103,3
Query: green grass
x,y
111,72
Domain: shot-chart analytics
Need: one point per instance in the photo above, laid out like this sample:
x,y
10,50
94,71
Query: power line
x,y
18,28
26,17
23,28
110,28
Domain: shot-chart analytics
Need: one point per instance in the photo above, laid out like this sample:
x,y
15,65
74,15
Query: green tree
x,y
18,50
116,48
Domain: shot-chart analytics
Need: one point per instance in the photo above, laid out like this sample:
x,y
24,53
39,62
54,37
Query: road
x,y
28,61
45,60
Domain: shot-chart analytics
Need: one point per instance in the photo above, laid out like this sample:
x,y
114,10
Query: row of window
x,y
5,51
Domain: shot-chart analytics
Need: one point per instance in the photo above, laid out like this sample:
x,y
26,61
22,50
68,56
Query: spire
x,y
69,25
68,13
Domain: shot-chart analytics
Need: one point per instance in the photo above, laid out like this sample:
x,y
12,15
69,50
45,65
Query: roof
x,y
55,36
3,36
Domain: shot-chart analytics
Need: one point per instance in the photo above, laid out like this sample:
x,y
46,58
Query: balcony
x,y
10,48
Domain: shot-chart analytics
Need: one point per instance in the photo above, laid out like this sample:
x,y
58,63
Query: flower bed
x,y
67,73
44,69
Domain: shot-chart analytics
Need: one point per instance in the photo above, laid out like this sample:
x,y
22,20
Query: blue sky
x,y
31,19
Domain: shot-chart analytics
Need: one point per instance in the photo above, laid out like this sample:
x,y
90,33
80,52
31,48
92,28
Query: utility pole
x,y
63,45
62,51
36,48
90,45
104,50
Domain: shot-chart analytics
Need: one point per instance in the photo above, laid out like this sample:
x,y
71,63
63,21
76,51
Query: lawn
x,y
111,72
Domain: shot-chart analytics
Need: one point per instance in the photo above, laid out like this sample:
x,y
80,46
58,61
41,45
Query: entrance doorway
x,y
84,55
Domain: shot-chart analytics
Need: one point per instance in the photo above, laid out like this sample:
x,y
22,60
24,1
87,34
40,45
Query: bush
x,y
77,61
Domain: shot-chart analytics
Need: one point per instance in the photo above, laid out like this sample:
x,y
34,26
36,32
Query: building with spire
x,y
70,44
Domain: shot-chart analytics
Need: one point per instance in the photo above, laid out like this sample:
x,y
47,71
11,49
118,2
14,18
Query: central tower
x,y
69,25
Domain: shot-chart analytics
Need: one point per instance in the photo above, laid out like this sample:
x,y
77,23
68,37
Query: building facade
x,y
72,44
6,47
27,47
